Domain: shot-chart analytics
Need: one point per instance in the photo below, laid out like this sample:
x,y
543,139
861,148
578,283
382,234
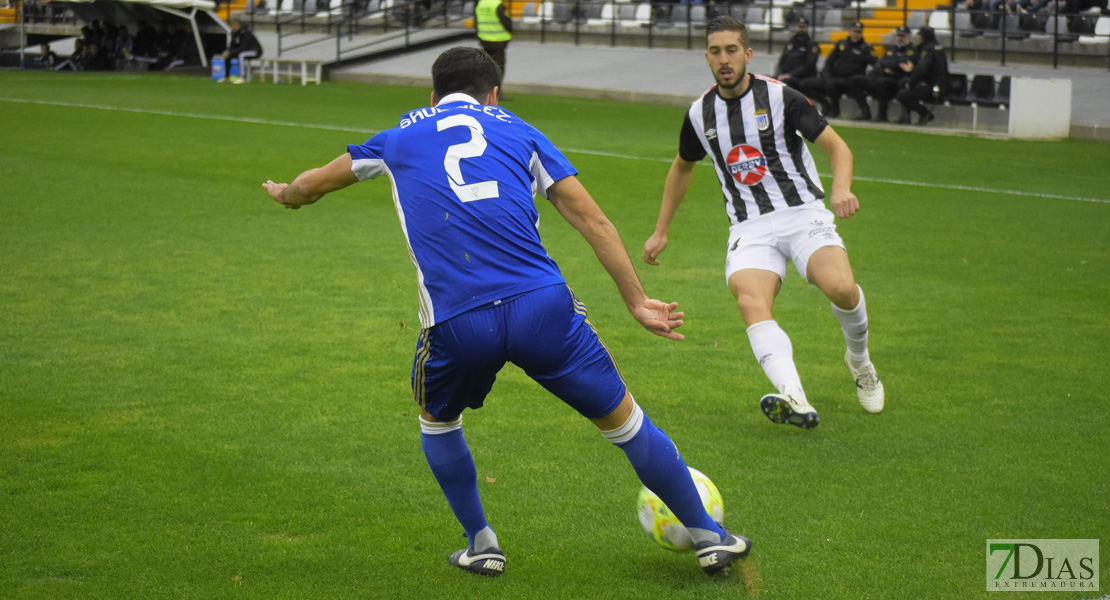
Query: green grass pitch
x,y
206,396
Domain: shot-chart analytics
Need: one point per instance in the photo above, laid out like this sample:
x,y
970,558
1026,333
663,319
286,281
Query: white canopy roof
x,y
180,4
186,9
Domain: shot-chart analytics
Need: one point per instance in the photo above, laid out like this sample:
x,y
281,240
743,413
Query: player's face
x,y
728,59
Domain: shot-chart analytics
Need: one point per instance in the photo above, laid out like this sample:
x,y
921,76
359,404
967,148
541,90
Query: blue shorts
x,y
544,332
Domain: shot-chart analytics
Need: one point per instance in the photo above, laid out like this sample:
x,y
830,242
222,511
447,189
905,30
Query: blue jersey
x,y
464,181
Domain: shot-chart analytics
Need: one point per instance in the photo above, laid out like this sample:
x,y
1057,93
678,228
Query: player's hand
x,y
275,190
659,318
844,204
653,247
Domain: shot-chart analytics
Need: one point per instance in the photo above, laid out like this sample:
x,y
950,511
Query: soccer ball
x,y
664,527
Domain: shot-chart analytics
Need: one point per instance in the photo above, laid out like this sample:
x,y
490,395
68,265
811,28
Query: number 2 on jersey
x,y
467,192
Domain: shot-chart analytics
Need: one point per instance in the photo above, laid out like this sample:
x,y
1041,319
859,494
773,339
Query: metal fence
x,y
1051,36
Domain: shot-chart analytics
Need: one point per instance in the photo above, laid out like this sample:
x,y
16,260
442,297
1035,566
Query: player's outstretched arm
x,y
576,205
313,184
842,201
674,190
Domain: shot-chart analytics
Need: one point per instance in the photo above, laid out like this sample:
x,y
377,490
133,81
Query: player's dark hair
x,y
727,23
467,70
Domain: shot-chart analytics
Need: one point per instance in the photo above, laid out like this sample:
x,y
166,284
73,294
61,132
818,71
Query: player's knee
x,y
753,307
844,293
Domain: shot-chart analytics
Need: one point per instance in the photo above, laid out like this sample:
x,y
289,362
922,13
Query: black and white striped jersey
x,y
756,144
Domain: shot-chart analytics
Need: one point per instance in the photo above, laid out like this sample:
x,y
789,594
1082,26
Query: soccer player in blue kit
x,y
464,173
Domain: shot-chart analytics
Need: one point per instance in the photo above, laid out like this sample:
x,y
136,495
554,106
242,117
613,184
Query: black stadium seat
x,y
1002,95
982,89
955,89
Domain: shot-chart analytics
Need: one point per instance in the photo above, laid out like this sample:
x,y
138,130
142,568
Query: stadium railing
x,y
1056,38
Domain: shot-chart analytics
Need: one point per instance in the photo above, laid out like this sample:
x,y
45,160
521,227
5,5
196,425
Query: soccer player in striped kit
x,y
464,173
752,127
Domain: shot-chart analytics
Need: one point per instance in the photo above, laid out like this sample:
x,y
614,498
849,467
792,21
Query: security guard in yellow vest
x,y
495,29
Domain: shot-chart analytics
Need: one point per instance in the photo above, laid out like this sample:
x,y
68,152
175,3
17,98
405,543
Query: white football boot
x,y
868,387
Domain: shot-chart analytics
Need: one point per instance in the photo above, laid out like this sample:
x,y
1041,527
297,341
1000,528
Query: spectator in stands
x,y
661,11
1031,7
1000,7
885,78
95,60
848,58
107,52
979,9
124,44
495,30
74,59
145,44
170,50
244,46
47,59
1074,7
93,33
930,71
799,58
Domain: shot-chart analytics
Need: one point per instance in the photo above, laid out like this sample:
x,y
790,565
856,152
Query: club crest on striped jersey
x,y
762,120
746,164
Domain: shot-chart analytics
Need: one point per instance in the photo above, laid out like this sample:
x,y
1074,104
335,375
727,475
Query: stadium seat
x,y
678,15
335,7
591,11
938,20
917,20
1060,29
754,19
834,19
641,16
778,17
964,25
604,16
1012,24
1002,94
1101,34
560,12
982,89
736,11
955,90
697,15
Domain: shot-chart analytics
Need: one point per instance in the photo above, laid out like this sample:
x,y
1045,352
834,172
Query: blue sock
x,y
660,467
453,466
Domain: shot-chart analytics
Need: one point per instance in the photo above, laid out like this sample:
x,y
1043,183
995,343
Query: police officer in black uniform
x,y
931,70
885,78
848,58
799,58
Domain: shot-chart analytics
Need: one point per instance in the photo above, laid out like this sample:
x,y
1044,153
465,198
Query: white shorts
x,y
767,241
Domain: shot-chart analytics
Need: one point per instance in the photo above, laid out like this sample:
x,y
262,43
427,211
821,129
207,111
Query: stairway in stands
x,y
8,16
882,21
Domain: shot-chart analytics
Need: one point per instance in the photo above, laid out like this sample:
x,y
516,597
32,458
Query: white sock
x,y
775,354
854,325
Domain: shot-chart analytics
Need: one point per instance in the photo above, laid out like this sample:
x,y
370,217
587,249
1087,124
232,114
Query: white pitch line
x,y
170,113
